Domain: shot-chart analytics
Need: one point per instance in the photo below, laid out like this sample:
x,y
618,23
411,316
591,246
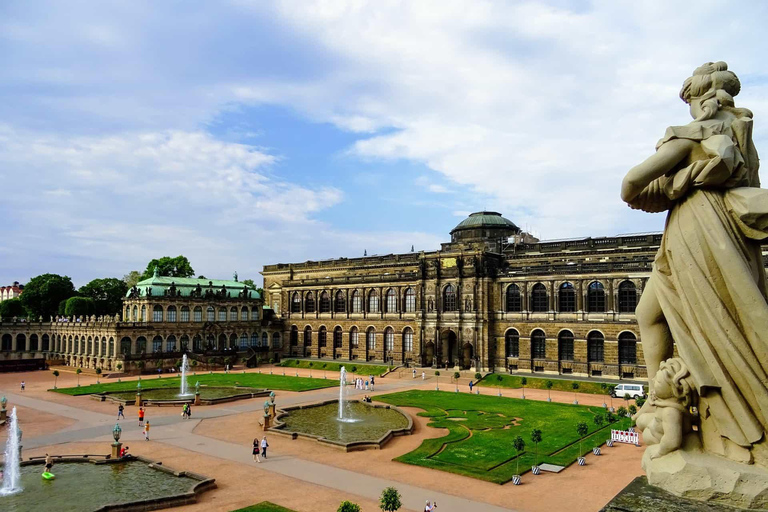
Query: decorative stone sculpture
x,y
706,296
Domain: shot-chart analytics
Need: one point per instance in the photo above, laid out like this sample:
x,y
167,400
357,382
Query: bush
x,y
632,410
622,412
348,506
640,401
478,376
456,375
12,307
390,500
79,306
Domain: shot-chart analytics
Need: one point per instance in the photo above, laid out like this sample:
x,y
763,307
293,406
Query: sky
x,y
243,133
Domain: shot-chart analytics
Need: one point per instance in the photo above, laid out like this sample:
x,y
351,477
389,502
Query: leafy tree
x,y
201,276
132,278
437,379
119,366
390,500
43,293
478,376
10,308
622,412
598,419
55,377
519,444
524,382
609,417
170,267
98,374
536,438
632,410
107,294
348,506
582,429
62,307
78,372
456,376
640,402
549,385
249,282
79,306
611,389
575,386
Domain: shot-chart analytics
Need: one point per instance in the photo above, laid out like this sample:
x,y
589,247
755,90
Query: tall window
x,y
307,336
449,298
339,305
198,314
565,346
389,340
357,302
539,301
296,303
373,302
538,344
275,340
209,314
255,339
309,303
321,337
337,334
171,313
125,345
233,314
197,343
255,314
243,341
514,302
244,314
185,313
408,340
170,343
627,348
627,297
512,343
222,314
264,339
567,298
371,339
353,337
157,314
595,342
184,342
325,302
294,337
410,300
391,301
135,314
157,344
143,317
596,297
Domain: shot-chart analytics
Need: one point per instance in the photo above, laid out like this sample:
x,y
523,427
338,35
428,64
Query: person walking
x,y
120,411
423,375
23,385
189,411
141,416
366,385
470,386
371,382
264,446
146,431
256,450
414,373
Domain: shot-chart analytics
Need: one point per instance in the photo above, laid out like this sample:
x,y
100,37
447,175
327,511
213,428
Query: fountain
x,y
11,470
342,393
184,367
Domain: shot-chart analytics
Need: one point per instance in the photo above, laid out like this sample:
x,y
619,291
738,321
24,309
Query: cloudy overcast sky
x,y
242,133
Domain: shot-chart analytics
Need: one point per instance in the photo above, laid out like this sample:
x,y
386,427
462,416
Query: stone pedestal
x,y
272,410
138,399
116,447
3,415
639,496
267,422
197,398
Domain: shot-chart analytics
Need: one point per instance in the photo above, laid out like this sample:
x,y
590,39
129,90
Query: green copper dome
x,y
485,220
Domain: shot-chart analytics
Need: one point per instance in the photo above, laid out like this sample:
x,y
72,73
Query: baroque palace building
x,y
493,299
162,318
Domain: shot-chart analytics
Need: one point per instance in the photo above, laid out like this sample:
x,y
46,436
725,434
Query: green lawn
x,y
361,368
252,380
264,506
481,429
495,380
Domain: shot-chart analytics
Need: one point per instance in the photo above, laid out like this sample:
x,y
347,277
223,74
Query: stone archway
x,y
448,350
429,353
467,353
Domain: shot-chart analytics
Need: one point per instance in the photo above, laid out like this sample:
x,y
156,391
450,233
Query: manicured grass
x,y
264,506
360,368
481,429
495,380
251,380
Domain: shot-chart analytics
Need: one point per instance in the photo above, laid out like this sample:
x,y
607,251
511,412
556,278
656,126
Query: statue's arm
x,y
664,160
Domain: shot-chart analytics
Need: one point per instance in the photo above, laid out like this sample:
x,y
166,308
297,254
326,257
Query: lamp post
x,y
117,445
138,394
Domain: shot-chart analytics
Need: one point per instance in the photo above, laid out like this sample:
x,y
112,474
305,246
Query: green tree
x,y
348,506
575,386
582,429
55,378
170,267
519,444
78,372
390,500
107,294
536,439
632,410
79,306
609,417
549,385
524,383
62,307
611,389
249,282
98,375
598,419
622,412
43,293
10,308
639,402
132,278
437,378
478,376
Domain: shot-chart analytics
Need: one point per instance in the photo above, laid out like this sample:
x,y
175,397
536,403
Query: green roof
x,y
185,285
486,220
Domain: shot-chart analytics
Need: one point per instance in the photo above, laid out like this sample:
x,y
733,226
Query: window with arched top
x,y
296,303
389,340
197,343
410,300
391,301
222,314
170,343
325,302
408,340
185,313
255,339
596,297
184,342
539,299
294,336
233,314
337,336
357,302
243,341
627,348
565,346
143,317
339,303
157,344
373,302
135,317
353,337
370,339
595,347
171,313
309,303
566,299
210,314
512,343
627,297
514,300
157,314
275,340
321,337
307,336
538,344
449,298
244,314
264,339
255,314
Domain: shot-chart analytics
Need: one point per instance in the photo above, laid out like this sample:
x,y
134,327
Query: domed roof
x,y
485,220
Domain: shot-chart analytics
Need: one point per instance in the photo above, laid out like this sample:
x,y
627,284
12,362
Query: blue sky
x,y
241,133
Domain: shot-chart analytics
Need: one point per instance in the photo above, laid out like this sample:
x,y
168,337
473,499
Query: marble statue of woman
x,y
707,292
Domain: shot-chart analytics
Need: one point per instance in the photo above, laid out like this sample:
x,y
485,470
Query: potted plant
x,y
78,372
604,389
575,386
582,429
55,377
631,410
119,366
536,439
456,376
622,412
549,385
523,381
499,378
598,419
611,390
390,500
437,378
519,444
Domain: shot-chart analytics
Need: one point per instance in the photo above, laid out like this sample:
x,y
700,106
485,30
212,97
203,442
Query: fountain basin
x,y
209,395
370,427
89,484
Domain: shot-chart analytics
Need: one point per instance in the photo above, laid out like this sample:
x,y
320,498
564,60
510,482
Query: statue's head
x,y
712,86
674,381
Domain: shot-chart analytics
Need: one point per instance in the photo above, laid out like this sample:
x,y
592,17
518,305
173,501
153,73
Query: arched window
x,y
222,342
325,302
514,302
595,343
243,341
7,342
539,300
408,340
170,343
127,314
33,342
135,314
233,314
373,302
222,314
210,314
627,348
596,297
538,344
340,305
184,342
275,340
353,337
512,343
295,303
171,313
294,337
198,314
357,303
391,301
143,317
370,339
309,303
410,300
627,297
265,339
103,346
141,345
244,314
567,298
337,335
46,343
197,343
157,344
21,343
255,314
307,336
449,298
389,340
185,313
125,345
321,337
565,346
255,339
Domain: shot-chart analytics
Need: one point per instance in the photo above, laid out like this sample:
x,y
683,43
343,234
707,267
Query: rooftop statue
x,y
707,296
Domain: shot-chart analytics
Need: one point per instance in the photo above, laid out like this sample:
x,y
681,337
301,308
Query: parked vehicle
x,y
633,390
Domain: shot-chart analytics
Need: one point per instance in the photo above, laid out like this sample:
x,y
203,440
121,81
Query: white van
x,y
633,390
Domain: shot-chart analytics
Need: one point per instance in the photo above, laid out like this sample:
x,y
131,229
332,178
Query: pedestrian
x,y
120,411
48,463
423,375
366,384
256,450
146,431
371,382
414,373
189,411
141,416
264,446
470,386
23,385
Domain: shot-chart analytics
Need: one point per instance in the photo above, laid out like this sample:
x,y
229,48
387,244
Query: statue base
x,y
640,496
701,476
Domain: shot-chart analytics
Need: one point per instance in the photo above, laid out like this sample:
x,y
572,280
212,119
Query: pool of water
x,y
84,486
173,393
367,423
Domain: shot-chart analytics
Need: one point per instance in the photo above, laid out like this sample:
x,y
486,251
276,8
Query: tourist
x,y
48,463
256,450
120,411
366,384
189,411
414,373
264,446
141,416
23,385
470,386
371,382
146,431
124,452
